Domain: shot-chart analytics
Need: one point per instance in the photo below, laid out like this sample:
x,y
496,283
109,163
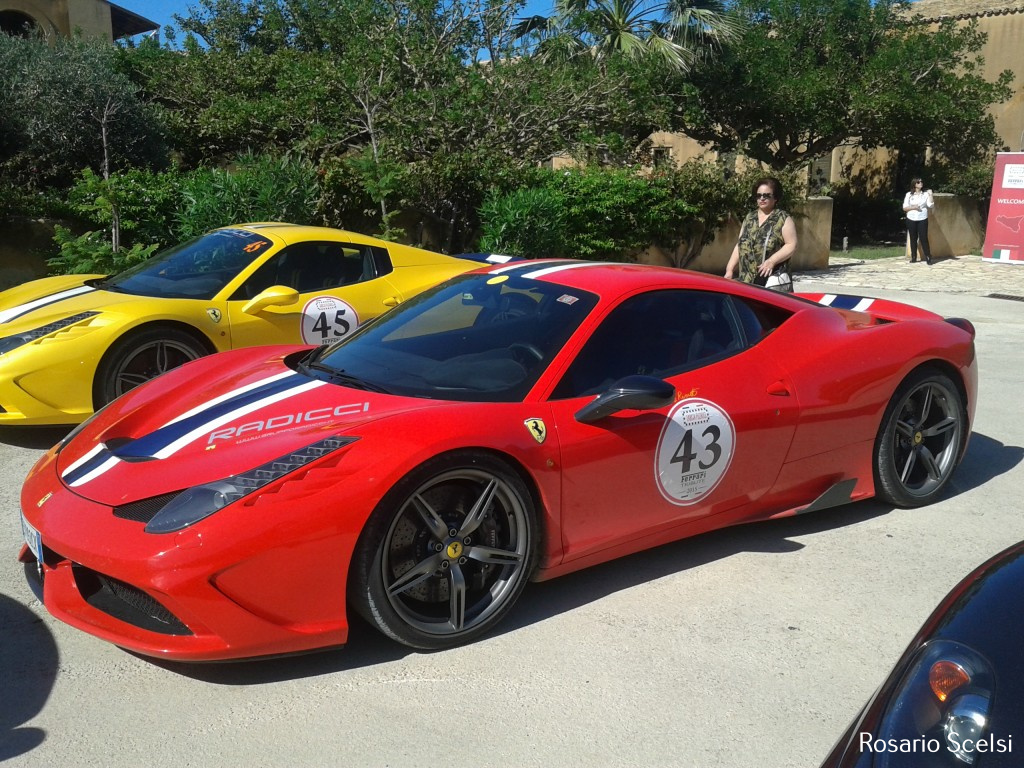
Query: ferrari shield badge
x,y
537,429
214,314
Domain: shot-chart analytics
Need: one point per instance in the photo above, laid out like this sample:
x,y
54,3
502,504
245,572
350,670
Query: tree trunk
x,y
115,215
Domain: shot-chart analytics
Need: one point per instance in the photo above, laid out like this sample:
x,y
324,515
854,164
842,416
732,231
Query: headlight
x,y
20,339
201,501
939,715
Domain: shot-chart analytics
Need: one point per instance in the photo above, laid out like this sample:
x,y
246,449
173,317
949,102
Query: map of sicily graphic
x,y
1010,222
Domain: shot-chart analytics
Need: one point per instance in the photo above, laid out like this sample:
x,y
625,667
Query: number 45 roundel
x,y
694,450
327,320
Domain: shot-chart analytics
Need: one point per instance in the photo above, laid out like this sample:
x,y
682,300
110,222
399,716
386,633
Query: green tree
x,y
809,75
680,32
493,125
217,105
239,26
69,107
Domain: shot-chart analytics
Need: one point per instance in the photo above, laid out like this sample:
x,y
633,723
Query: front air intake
x,y
126,603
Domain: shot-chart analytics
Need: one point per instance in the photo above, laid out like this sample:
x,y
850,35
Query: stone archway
x,y
17,24
24,18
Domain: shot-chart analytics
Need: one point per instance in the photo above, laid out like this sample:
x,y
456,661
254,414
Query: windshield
x,y
198,269
475,338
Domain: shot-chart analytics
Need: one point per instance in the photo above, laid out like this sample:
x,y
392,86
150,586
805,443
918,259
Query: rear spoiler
x,y
884,309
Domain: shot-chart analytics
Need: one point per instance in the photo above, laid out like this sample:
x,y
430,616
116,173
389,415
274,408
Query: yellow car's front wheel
x,y
142,356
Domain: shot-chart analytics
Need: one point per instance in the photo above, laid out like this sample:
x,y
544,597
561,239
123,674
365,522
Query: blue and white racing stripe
x,y
535,270
94,463
23,309
190,426
559,268
840,301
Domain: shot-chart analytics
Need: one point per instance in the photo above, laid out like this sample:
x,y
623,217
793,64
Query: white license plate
x,y
32,538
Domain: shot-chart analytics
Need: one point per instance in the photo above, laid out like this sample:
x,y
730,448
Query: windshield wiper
x,y
104,284
314,355
347,379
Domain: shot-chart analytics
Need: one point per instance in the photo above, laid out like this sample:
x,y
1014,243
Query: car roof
x,y
607,278
291,233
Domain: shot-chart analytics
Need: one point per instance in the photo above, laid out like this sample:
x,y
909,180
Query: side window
x,y
312,267
661,333
757,320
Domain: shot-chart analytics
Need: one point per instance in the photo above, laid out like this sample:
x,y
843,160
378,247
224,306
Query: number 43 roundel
x,y
694,450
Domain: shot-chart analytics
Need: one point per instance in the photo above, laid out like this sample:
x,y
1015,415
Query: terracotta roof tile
x,y
958,9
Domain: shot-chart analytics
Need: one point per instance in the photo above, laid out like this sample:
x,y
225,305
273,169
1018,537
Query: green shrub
x,y
344,200
141,204
93,253
972,180
605,214
257,188
146,203
529,222
158,209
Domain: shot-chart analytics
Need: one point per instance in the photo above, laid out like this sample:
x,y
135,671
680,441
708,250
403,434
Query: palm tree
x,y
679,31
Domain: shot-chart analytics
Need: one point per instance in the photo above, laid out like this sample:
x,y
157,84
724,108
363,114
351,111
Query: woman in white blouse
x,y
917,203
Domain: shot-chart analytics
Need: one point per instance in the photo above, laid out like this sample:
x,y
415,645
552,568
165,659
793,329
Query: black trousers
x,y
919,231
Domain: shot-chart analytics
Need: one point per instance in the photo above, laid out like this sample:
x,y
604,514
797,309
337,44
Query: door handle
x,y
778,388
391,301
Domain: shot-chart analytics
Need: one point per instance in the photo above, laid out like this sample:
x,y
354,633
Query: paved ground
x,y
960,274
747,648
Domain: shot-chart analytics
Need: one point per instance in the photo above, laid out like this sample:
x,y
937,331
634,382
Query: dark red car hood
x,y
211,419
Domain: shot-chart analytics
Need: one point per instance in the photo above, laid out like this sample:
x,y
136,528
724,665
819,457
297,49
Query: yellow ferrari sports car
x,y
71,344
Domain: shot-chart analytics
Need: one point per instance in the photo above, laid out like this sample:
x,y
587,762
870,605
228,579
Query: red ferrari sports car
x,y
515,423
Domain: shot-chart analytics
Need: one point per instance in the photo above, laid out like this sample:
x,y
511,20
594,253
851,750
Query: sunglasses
x,y
764,195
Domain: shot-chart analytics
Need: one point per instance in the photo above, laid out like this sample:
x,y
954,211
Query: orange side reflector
x,y
945,677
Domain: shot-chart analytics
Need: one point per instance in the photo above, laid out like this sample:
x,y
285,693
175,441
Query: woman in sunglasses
x,y
767,241
916,204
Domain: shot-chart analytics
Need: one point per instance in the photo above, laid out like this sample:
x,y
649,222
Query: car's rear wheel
x,y
447,551
140,357
918,445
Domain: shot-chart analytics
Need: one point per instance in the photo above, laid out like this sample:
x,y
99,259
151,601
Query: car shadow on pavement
x,y
986,458
541,601
366,647
546,599
28,667
42,438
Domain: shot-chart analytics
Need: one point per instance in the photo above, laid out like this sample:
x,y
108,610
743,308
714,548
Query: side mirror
x,y
642,393
274,296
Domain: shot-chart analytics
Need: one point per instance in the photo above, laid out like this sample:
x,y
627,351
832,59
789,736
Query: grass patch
x,y
873,252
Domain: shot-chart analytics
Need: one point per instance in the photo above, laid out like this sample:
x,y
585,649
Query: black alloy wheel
x,y
447,552
920,440
141,357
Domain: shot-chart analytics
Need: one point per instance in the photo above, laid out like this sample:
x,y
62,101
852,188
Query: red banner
x,y
1004,236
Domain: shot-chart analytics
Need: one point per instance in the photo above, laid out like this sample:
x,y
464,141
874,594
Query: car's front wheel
x,y
447,551
140,357
919,442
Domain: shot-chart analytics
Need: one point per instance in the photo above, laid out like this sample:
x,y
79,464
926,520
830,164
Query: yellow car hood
x,y
39,302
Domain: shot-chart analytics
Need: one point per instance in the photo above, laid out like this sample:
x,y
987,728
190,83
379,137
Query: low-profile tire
x,y
920,440
142,356
446,552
